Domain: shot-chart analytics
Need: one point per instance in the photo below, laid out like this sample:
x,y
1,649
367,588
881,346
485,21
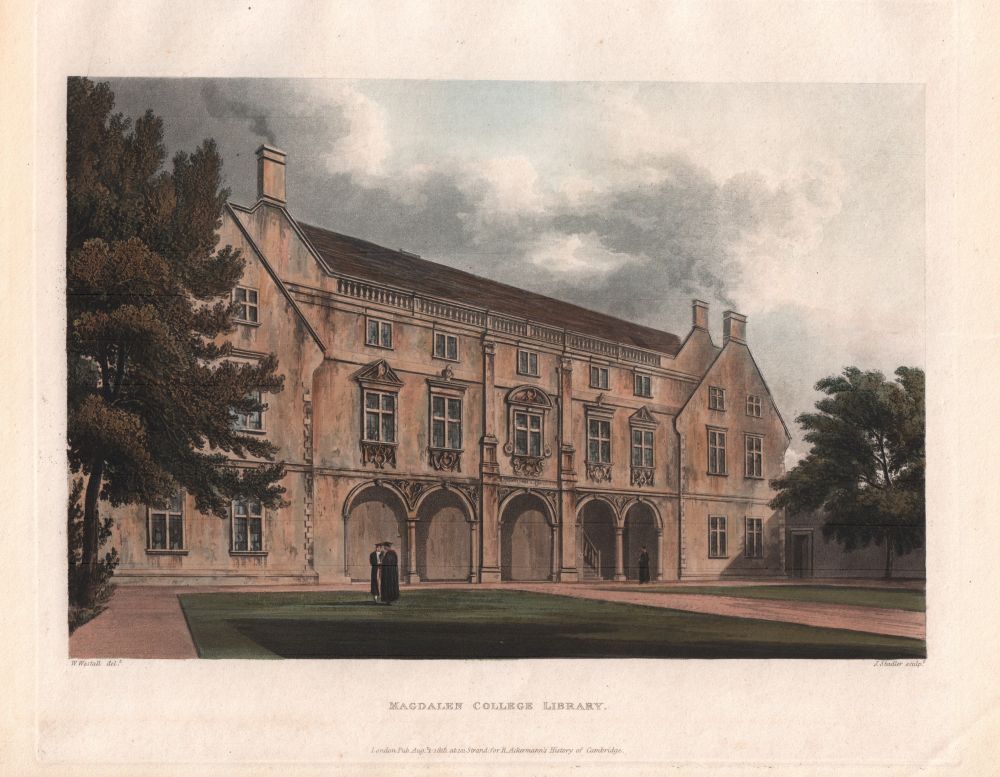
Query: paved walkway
x,y
147,621
874,620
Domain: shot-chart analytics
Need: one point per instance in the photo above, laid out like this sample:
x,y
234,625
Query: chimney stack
x,y
271,174
699,314
734,327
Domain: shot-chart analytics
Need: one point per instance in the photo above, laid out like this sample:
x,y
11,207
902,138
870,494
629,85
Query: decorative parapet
x,y
445,459
482,318
642,476
599,473
378,453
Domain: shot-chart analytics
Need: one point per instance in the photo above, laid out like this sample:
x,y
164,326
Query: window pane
x,y
521,441
437,433
452,347
438,345
533,363
386,335
240,508
636,456
520,420
176,533
239,534
388,428
158,531
455,409
606,452
522,361
437,407
388,402
256,543
371,426
536,422
536,444
371,400
251,313
594,450
454,436
372,336
648,457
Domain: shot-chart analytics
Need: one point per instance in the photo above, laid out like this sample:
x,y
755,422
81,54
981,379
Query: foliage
x,y
865,469
151,390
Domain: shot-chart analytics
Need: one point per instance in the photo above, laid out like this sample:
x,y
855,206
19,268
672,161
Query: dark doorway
x,y
801,554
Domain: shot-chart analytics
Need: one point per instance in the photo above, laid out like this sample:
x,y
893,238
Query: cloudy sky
x,y
799,205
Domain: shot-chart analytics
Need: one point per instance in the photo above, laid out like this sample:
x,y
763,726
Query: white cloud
x,y
576,253
365,146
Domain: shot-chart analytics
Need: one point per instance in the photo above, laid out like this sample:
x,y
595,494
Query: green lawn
x,y
893,598
499,624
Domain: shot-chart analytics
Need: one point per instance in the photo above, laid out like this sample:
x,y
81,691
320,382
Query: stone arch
x,y
508,498
642,526
646,503
444,537
471,508
590,498
527,537
597,530
373,512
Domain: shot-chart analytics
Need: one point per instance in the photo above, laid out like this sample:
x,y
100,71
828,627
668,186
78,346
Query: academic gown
x,y
390,576
373,560
644,567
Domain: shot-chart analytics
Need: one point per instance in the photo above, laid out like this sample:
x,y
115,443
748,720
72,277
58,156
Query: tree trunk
x,y
889,554
91,534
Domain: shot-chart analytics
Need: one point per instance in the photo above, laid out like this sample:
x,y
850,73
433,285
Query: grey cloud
x,y
219,105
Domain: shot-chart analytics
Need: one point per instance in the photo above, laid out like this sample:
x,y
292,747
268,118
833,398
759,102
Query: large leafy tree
x,y
151,390
865,470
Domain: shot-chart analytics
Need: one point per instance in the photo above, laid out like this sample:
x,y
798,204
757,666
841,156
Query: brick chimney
x,y
699,314
271,174
734,327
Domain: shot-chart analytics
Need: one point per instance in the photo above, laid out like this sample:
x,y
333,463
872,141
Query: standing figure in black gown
x,y
389,578
375,558
643,565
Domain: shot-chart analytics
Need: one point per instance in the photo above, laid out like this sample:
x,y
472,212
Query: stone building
x,y
491,433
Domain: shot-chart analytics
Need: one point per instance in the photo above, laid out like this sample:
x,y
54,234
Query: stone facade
x,y
487,444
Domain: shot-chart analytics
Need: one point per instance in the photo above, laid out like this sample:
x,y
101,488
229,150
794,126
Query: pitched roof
x,y
361,259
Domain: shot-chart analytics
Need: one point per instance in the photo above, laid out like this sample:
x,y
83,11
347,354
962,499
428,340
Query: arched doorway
x,y
525,540
597,542
376,515
444,538
640,529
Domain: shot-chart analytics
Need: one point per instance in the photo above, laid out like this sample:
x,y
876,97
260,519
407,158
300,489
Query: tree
x,y
865,470
151,390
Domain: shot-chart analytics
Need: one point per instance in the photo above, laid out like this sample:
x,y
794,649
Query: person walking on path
x,y
375,558
643,565
389,578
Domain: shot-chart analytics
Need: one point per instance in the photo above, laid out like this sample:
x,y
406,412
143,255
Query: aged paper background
x,y
288,717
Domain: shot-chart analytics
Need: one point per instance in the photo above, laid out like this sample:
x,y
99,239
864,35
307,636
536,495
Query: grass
x,y
499,624
892,598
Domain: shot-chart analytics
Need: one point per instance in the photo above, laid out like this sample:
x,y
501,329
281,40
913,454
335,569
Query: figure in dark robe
x,y
375,558
389,578
643,565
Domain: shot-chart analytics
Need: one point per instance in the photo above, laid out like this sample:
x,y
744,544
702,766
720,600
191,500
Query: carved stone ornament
x,y
411,490
447,373
470,490
378,373
527,466
378,453
642,476
642,417
444,460
529,395
599,473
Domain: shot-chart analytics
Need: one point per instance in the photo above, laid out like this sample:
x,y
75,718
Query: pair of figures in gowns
x,y
385,573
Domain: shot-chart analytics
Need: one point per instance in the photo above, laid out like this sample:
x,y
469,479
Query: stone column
x,y
567,475
474,554
619,553
659,553
489,471
554,576
411,549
